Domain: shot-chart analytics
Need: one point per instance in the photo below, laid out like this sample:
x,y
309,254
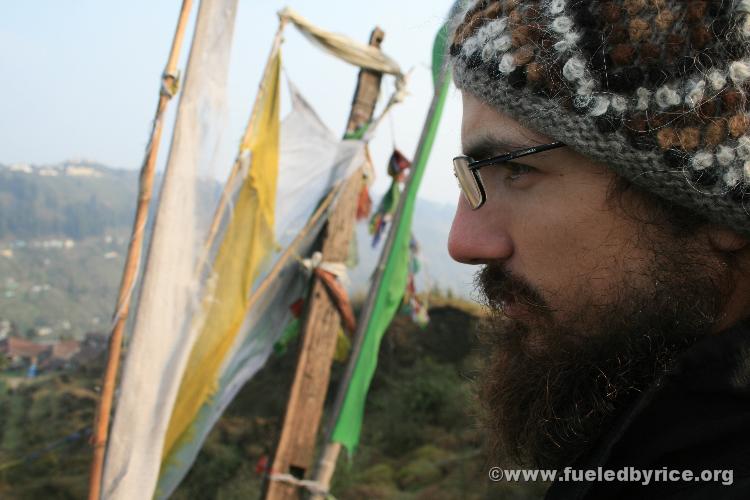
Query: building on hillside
x,y
21,167
6,328
46,355
22,353
43,331
82,171
48,172
62,356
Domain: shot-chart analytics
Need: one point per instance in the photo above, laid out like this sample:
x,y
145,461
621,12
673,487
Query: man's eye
x,y
516,171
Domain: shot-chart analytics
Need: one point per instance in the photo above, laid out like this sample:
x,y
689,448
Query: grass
x,y
419,441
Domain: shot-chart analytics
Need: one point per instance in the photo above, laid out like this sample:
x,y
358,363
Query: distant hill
x,y
70,200
63,238
432,223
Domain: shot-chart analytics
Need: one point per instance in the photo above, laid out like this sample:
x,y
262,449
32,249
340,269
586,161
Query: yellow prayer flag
x,y
247,244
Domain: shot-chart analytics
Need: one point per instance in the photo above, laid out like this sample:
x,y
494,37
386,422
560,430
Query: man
x,y
606,193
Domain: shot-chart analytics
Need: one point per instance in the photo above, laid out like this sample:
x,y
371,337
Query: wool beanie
x,y
656,89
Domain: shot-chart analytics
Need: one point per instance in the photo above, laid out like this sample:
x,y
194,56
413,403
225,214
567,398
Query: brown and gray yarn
x,y
658,89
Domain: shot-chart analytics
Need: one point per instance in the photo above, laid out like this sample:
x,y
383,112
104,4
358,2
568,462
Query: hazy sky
x,y
80,77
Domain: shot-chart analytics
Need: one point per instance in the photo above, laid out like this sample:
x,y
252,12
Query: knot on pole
x,y
335,279
170,84
314,487
338,269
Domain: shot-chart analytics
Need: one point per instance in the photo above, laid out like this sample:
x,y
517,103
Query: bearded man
x,y
605,185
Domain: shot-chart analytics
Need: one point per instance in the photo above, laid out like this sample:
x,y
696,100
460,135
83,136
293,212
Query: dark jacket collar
x,y
697,417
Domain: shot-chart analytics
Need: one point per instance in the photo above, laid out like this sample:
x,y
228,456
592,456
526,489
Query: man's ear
x,y
724,239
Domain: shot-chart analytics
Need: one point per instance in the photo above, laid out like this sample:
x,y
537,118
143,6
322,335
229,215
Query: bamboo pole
x,y
296,446
239,161
327,463
133,258
326,467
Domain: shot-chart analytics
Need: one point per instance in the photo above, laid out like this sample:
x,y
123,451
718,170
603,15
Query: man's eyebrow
x,y
486,146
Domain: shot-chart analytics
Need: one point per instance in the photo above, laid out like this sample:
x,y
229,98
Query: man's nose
x,y
478,236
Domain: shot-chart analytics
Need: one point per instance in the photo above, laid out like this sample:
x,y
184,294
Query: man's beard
x,y
553,386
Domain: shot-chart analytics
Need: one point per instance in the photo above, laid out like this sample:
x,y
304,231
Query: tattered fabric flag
x,y
292,330
388,296
398,164
343,47
364,203
160,344
415,306
247,244
312,160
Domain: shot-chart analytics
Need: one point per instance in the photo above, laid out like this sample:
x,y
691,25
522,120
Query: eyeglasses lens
x,y
468,181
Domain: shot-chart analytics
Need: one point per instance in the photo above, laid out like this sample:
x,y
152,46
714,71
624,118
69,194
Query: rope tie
x,y
401,92
334,277
170,84
338,269
398,96
314,487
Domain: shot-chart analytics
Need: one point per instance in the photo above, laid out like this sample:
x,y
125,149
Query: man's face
x,y
550,225
588,305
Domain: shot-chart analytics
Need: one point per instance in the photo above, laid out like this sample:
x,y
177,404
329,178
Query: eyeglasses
x,y
466,170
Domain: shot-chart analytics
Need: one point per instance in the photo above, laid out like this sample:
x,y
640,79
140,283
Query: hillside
x,y
58,278
432,222
69,200
420,440
61,291
63,238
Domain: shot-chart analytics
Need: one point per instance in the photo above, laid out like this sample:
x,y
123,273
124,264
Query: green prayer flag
x,y
395,275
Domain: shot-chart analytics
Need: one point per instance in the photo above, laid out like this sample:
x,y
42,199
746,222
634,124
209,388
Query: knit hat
x,y
656,89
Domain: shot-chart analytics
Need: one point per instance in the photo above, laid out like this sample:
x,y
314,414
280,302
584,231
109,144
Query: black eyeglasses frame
x,y
473,166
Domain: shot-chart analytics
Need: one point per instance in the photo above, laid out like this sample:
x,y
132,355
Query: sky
x,y
81,78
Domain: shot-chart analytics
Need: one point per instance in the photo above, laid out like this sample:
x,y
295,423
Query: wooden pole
x,y
294,453
133,258
329,457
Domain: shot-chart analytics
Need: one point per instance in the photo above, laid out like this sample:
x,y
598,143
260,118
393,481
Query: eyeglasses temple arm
x,y
514,154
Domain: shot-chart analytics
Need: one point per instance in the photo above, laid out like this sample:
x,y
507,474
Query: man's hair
x,y
646,208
